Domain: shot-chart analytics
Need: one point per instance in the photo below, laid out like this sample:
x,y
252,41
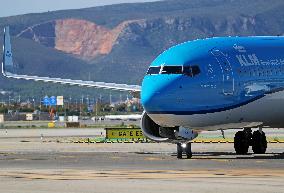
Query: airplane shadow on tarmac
x,y
227,155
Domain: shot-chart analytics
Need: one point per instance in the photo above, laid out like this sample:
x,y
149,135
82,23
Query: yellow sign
x,y
112,133
51,125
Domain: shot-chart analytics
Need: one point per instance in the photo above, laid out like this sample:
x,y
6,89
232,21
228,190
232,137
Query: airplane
x,y
207,84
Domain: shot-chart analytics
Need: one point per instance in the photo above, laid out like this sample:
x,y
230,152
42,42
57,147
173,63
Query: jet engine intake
x,y
158,133
151,130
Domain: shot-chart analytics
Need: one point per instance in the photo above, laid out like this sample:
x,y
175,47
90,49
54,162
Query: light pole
x,y
88,100
70,101
81,105
96,108
34,103
39,109
9,101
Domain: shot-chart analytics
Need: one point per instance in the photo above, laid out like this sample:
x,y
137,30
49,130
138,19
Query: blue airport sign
x,y
46,101
52,101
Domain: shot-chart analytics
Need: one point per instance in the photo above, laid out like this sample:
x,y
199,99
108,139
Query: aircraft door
x,y
226,68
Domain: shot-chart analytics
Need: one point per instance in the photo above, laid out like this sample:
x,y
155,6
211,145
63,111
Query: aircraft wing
x,y
8,63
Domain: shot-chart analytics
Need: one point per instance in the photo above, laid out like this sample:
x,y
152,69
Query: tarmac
x,y
45,163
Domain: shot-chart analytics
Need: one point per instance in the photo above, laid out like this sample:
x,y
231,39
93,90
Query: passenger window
x,y
172,70
154,70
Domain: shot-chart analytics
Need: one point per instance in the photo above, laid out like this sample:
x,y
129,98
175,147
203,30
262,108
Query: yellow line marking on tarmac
x,y
19,159
220,160
258,161
67,156
139,174
152,159
199,140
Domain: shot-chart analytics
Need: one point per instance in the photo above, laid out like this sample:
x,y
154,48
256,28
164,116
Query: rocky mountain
x,y
81,38
117,43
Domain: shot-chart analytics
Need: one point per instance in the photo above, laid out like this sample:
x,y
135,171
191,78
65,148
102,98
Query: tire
x,y
179,151
241,143
188,151
259,142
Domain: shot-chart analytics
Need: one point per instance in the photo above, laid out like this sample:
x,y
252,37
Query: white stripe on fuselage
x,y
268,110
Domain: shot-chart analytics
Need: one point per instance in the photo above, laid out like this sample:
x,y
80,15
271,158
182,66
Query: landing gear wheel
x,y
259,142
241,143
184,148
179,151
188,151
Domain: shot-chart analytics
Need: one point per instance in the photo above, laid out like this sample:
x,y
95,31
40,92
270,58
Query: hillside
x,y
102,43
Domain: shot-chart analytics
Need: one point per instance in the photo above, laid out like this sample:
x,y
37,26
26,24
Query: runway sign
x,y
124,133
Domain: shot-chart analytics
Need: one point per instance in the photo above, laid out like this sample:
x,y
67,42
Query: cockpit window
x,y
172,70
186,70
195,70
154,70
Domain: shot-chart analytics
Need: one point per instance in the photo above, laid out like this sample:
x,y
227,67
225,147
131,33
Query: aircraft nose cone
x,y
149,93
155,90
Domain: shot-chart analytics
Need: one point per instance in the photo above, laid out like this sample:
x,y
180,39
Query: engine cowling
x,y
151,129
157,133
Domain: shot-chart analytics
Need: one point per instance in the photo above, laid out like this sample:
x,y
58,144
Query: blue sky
x,y
16,7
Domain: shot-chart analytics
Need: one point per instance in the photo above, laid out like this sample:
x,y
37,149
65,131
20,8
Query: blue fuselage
x,y
213,75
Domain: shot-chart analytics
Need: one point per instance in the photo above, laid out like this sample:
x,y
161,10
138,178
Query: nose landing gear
x,y
184,147
244,139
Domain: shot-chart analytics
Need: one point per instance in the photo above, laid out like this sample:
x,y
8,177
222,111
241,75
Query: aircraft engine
x,y
150,129
157,133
